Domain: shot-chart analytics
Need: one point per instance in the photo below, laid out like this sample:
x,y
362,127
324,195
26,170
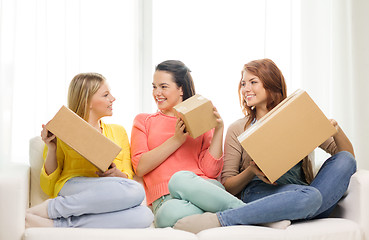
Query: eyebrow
x,y
161,84
252,79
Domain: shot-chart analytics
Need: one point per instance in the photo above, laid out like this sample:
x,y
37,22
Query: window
x,y
45,43
54,41
216,38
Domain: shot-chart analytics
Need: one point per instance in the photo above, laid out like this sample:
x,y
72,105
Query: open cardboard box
x,y
83,138
198,115
286,134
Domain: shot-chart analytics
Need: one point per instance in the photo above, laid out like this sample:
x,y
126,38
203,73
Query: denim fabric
x,y
332,181
293,176
109,202
270,203
189,195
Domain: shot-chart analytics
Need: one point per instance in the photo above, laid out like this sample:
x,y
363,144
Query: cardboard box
x,y
198,115
83,138
286,134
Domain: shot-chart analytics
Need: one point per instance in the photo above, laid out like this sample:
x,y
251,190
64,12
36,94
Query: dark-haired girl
x,y
179,172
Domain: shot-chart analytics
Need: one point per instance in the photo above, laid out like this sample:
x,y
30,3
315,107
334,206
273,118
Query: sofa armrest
x,y
14,194
354,205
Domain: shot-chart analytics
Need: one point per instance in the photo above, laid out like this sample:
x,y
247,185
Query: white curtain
x,y
43,44
215,42
335,65
320,46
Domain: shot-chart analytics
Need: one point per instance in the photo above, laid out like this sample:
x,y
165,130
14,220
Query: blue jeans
x,y
189,195
106,202
270,203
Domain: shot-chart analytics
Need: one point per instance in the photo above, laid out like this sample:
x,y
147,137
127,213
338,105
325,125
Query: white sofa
x,y
19,189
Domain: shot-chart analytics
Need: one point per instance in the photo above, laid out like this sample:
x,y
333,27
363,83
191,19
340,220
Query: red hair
x,y
273,82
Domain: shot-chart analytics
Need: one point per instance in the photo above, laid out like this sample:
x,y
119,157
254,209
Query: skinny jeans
x,y
269,203
189,195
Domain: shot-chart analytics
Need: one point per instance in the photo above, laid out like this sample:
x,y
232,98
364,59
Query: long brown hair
x,y
273,82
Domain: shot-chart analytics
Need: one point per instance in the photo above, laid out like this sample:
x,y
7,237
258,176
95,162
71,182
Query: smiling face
x,y
253,91
102,102
166,93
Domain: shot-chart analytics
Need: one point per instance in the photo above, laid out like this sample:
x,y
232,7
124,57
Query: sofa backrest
x,y
36,148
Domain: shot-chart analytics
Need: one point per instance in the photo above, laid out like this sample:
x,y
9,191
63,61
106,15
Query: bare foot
x,y
37,221
40,209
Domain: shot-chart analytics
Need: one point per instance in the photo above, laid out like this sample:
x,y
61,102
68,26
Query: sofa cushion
x,y
111,234
327,229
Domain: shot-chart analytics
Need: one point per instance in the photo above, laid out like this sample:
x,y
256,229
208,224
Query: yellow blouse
x,y
72,164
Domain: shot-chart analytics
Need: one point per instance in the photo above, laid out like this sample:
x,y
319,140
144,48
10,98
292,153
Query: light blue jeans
x,y
101,202
270,203
189,195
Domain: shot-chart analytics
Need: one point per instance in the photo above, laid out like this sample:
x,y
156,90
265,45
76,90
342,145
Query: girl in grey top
x,y
297,195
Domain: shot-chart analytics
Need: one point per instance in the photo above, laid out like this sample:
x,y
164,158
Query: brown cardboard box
x,y
83,138
286,134
197,114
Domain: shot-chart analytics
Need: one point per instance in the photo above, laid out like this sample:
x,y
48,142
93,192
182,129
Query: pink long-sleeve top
x,y
150,131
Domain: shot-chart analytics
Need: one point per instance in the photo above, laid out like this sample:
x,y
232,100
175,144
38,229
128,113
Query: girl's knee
x,y
137,189
132,186
346,162
350,161
166,216
146,216
310,202
179,179
173,210
128,190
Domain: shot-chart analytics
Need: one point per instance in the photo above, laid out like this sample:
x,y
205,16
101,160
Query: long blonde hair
x,y
81,89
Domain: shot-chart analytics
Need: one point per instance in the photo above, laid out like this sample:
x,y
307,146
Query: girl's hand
x,y
220,124
180,135
113,171
335,125
48,138
256,170
341,140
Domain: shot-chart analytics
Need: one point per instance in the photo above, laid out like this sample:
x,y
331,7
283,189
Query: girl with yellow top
x,y
83,196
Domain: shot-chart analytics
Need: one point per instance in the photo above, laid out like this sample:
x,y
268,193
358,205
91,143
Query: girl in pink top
x,y
179,172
